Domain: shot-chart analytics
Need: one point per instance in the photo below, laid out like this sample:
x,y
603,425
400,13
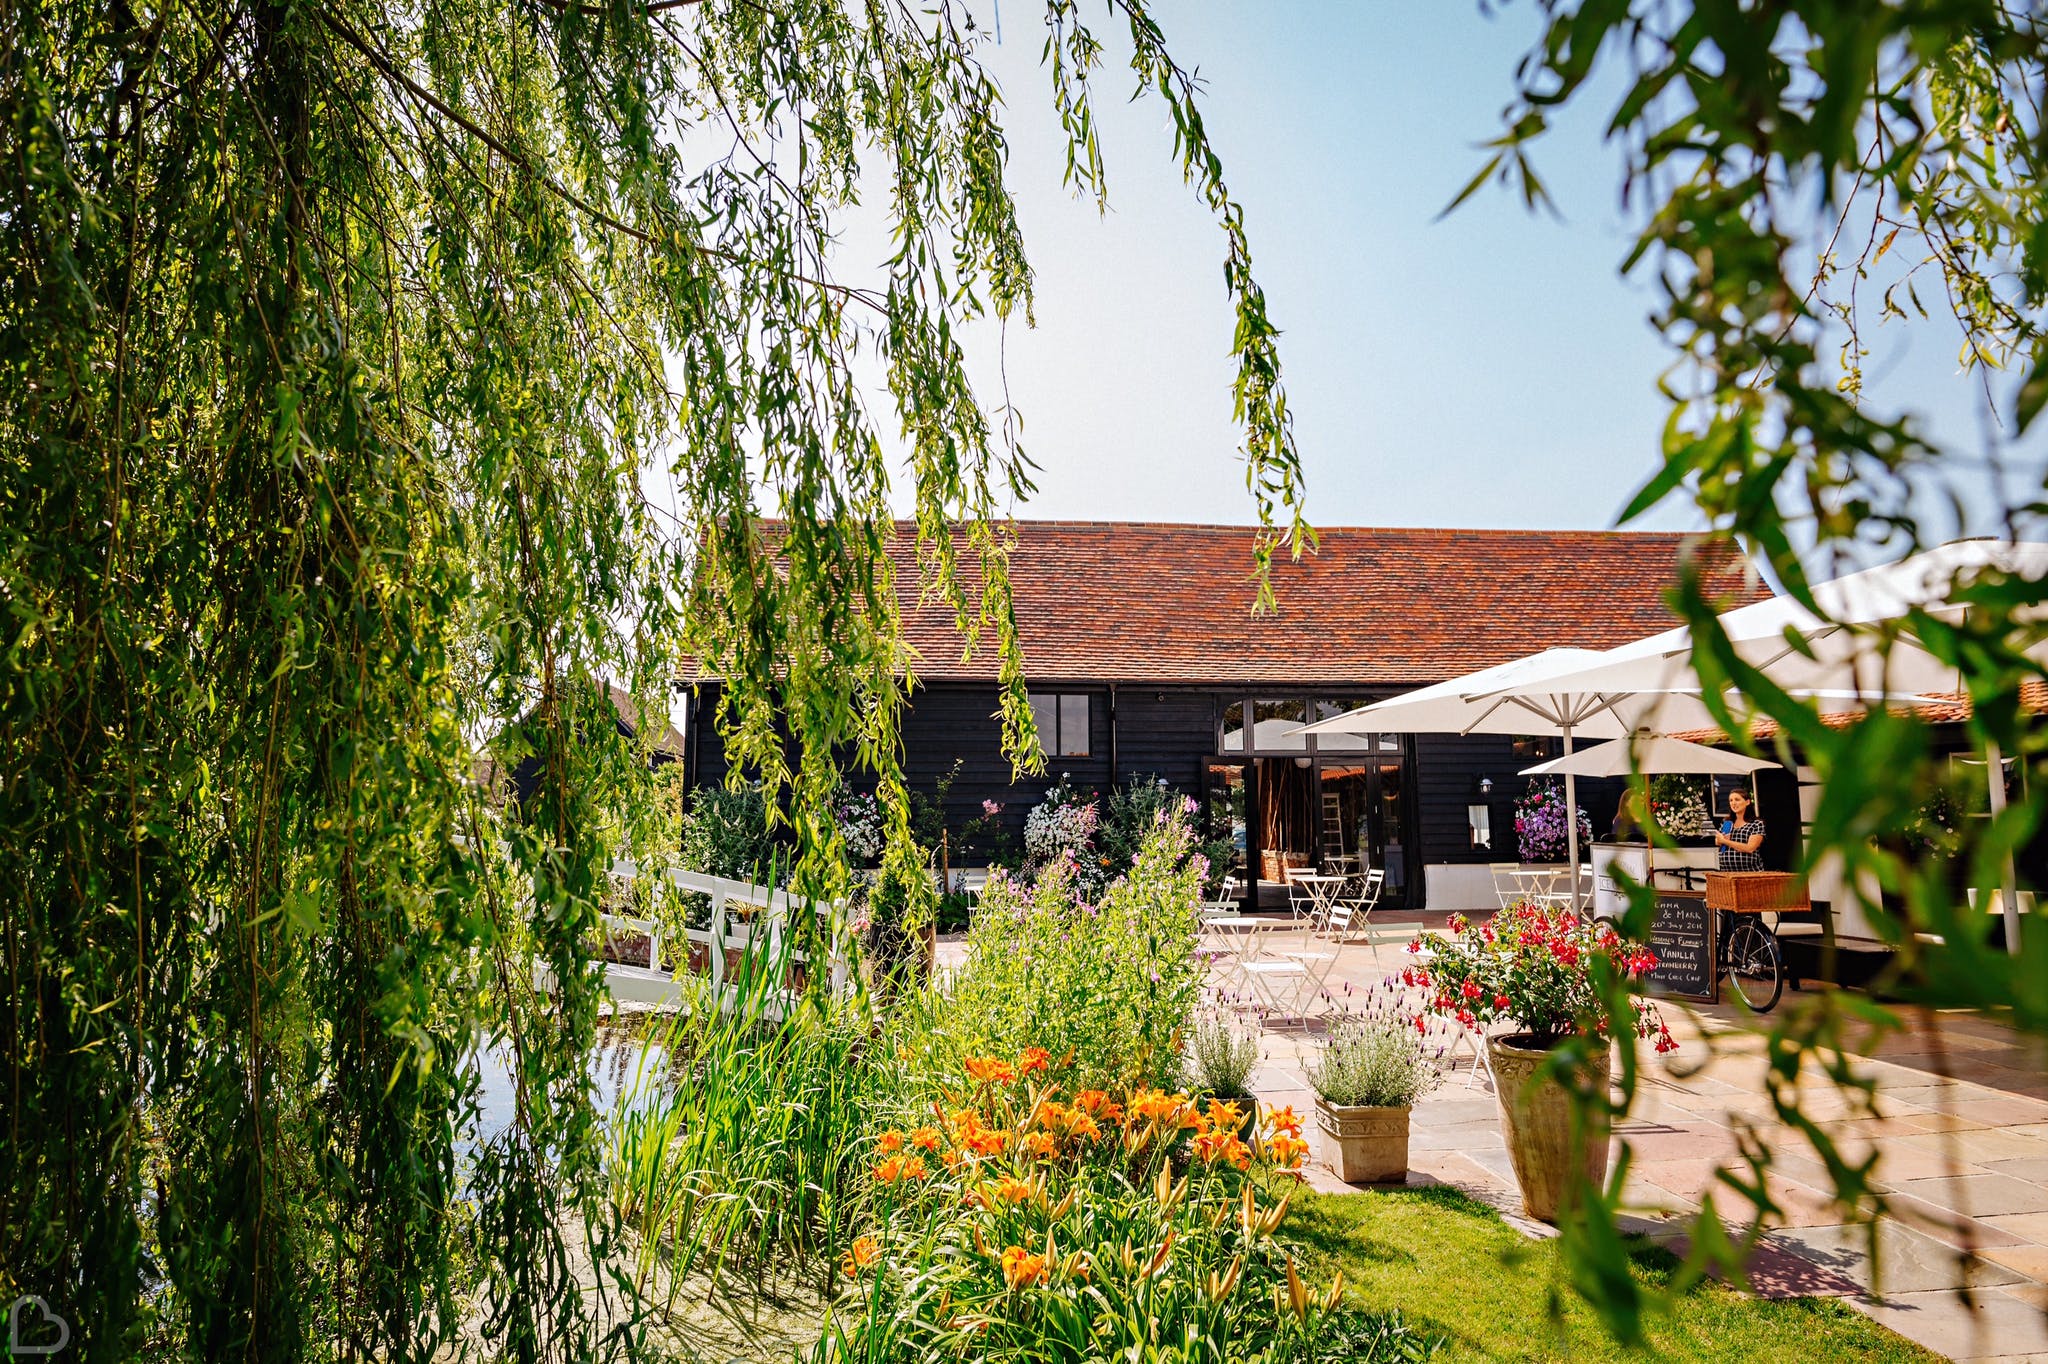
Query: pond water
x,y
627,1061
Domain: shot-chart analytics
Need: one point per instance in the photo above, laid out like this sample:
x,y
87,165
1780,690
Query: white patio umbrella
x,y
1648,754
1839,656
1528,696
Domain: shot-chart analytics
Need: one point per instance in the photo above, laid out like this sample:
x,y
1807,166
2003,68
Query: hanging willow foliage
x,y
1806,170
336,342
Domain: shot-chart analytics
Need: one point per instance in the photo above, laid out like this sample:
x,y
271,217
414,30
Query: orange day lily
x,y
865,1253
1097,1104
901,1169
1221,1146
985,1070
1283,1120
1011,1190
1287,1150
1021,1267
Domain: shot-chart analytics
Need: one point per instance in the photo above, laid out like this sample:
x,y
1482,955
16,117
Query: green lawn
x,y
1455,1269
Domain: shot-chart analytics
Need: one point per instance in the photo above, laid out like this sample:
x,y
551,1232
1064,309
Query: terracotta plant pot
x,y
1536,1123
1364,1145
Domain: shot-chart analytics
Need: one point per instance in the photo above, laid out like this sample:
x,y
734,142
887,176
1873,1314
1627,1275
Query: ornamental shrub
x,y
1128,815
1379,1062
726,833
1544,972
860,823
1679,804
1115,980
1220,1058
1059,827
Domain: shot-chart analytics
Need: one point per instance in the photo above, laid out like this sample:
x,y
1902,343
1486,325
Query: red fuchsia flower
x,y
1459,923
1665,1041
1471,989
1500,1001
1466,1017
1421,1024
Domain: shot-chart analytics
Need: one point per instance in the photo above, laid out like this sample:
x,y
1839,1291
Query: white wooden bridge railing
x,y
746,921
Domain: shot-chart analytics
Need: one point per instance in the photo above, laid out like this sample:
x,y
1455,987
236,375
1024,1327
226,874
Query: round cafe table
x,y
1541,884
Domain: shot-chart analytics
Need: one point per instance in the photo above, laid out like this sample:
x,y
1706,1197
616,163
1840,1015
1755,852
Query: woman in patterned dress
x,y
1740,840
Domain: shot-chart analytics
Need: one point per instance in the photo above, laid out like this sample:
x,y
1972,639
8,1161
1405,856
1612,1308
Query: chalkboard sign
x,y
1682,936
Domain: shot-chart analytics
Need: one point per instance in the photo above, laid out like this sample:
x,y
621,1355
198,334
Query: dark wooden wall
x,y
1448,768
1166,732
1447,772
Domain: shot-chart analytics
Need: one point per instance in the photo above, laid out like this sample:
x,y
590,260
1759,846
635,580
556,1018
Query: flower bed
x,y
1024,1220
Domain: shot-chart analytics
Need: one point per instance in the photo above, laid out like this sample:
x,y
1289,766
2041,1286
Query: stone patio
x,y
1960,1132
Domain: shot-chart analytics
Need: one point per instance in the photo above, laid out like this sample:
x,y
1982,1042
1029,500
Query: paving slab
x,y
1798,1205
1977,1195
1979,1146
1988,1325
2003,1112
2028,1226
1950,1228
2028,1258
2033,1169
1908,1261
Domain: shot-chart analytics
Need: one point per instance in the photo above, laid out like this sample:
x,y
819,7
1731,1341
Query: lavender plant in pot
x,y
1549,974
1367,1077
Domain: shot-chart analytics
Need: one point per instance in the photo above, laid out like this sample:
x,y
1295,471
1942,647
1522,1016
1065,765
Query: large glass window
x,y
1332,742
1272,721
1062,721
1223,787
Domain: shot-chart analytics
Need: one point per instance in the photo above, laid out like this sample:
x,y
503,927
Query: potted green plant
x,y
1543,972
1218,1060
1367,1078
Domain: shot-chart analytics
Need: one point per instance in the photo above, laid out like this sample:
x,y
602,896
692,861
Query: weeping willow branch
x,y
339,346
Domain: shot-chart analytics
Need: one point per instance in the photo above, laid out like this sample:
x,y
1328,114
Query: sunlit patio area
x,y
1960,1131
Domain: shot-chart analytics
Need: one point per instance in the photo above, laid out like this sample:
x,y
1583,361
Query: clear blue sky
x,y
1487,369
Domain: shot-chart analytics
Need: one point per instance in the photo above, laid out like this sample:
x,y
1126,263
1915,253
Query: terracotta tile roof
x,y
1155,602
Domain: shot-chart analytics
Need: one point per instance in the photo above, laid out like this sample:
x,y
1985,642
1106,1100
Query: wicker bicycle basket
x,y
1756,892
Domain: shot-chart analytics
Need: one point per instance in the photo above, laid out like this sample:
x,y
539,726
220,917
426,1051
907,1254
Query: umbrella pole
x,y
1571,821
1994,775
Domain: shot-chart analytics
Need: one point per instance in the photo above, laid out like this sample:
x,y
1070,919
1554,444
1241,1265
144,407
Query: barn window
x,y
1062,720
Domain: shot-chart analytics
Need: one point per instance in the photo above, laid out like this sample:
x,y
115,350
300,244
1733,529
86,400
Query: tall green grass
x,y
735,1150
